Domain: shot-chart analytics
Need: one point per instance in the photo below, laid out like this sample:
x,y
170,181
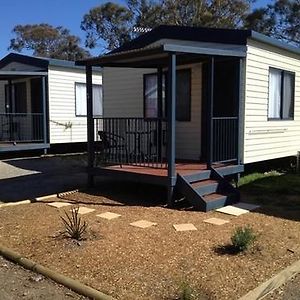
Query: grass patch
x,y
271,183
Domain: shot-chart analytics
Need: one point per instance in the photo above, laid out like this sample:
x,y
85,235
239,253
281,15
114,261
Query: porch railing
x,y
21,127
225,139
130,141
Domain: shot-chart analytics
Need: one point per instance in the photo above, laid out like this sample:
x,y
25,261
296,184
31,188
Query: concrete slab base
x,y
216,221
58,204
108,215
143,224
184,227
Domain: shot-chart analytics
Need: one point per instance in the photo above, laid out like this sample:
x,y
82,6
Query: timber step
x,y
207,191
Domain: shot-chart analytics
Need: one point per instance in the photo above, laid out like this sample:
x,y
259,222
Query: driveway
x,y
28,178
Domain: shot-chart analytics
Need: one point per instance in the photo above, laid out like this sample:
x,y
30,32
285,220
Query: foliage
x,y
73,226
47,41
243,238
253,177
115,23
279,19
185,292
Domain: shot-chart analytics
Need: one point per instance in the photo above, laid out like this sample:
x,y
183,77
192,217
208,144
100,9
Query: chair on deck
x,y
113,147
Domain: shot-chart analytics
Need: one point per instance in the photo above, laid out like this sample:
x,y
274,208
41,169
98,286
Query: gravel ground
x,y
133,263
19,283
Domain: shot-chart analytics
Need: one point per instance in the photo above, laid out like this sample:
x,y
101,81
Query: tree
x,y
280,20
115,23
47,41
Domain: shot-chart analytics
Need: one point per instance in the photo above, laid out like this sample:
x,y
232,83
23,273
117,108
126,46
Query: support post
x,y
160,110
171,116
44,113
90,124
210,106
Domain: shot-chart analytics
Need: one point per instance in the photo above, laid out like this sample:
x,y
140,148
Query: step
x,y
216,200
202,175
205,187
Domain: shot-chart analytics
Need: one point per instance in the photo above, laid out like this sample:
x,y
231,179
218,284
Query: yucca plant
x,y
73,226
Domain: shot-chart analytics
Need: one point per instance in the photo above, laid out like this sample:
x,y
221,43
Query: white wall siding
x,y
61,82
123,97
265,139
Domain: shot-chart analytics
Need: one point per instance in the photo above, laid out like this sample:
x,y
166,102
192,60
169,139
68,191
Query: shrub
x,y
73,226
243,238
185,292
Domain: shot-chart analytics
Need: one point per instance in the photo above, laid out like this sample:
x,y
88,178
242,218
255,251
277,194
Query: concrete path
x,y
18,283
29,178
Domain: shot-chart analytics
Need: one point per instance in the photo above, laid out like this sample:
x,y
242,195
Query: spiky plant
x,y
73,226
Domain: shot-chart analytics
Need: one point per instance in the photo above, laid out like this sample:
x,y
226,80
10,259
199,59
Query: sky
x,y
66,13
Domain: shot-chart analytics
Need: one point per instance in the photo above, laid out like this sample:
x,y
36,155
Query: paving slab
x,y
143,224
246,206
108,215
58,204
85,210
232,210
216,221
185,227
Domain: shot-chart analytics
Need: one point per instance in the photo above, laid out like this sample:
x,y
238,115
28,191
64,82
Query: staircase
x,y
206,190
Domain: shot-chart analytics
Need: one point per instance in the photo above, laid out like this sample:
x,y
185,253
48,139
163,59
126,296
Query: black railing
x,y
225,139
130,141
21,127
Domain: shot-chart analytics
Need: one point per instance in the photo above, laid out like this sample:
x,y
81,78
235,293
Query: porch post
x,y
171,116
160,111
211,71
44,112
90,124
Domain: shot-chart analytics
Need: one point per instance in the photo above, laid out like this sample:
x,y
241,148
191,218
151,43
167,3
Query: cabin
x,y
43,103
188,107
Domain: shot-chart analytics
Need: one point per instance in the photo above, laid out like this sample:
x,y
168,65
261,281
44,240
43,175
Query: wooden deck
x,y
11,147
159,176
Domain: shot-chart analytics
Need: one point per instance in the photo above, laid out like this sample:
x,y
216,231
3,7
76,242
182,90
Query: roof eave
x,y
256,36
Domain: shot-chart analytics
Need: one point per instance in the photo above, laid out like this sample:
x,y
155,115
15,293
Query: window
x,y
281,94
80,96
183,95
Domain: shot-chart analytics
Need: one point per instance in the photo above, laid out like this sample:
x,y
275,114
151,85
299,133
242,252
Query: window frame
x,y
165,73
282,72
84,116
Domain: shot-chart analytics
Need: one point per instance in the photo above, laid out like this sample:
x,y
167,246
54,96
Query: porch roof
x,y
156,54
8,75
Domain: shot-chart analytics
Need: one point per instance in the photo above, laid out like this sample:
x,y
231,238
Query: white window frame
x,y
84,114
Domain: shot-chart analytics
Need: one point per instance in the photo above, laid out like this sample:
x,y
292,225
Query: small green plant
x,y
243,238
73,226
185,291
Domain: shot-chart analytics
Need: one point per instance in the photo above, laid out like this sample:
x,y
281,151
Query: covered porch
x,y
144,148
23,111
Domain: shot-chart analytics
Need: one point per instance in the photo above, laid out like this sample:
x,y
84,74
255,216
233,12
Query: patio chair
x,y
113,147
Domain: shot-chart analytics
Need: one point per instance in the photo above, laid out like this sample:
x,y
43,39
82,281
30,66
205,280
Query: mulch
x,y
152,263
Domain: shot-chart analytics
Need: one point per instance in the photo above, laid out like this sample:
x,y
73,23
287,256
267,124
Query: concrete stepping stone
x,y
184,227
143,224
85,210
58,204
108,215
216,221
232,210
246,206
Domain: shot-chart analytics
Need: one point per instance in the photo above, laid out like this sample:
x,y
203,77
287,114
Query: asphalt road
x,y
28,178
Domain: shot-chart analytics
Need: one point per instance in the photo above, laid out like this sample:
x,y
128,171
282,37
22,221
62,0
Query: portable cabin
x,y
43,102
188,107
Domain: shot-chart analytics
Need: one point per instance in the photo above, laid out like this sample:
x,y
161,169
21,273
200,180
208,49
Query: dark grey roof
x,y
194,34
39,62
